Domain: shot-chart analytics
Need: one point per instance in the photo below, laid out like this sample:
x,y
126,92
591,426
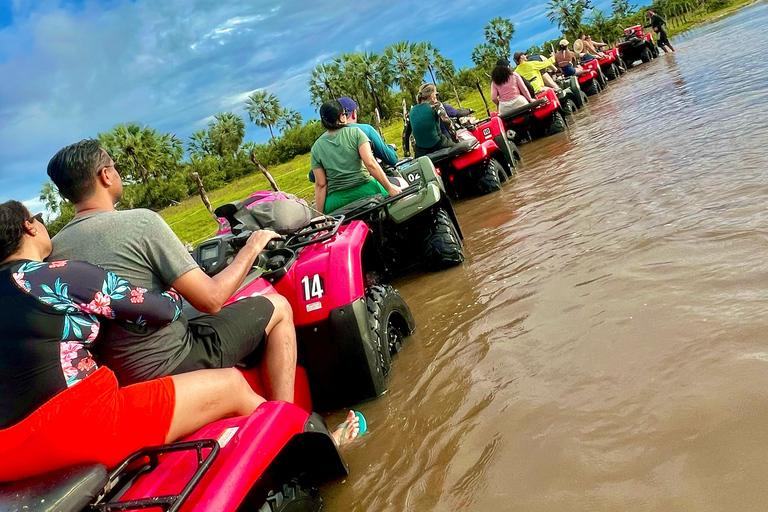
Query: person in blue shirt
x,y
380,149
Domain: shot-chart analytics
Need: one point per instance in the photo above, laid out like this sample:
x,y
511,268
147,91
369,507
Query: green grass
x,y
700,19
193,224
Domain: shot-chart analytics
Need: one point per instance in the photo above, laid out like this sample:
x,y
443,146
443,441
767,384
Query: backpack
x,y
279,211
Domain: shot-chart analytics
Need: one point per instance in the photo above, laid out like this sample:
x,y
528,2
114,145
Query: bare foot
x,y
347,431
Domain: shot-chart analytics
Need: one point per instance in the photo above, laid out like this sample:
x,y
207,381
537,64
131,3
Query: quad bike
x,y
540,118
477,163
273,458
590,82
346,331
571,97
600,80
415,228
637,46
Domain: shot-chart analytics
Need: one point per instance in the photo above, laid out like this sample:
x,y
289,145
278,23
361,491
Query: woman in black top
x,y
53,392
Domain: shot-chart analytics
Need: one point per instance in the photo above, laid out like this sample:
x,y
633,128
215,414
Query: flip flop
x,y
362,428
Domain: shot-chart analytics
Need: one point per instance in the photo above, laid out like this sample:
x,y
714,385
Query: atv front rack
x,y
126,473
413,189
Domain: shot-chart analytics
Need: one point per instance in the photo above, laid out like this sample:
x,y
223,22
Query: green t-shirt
x,y
339,155
425,125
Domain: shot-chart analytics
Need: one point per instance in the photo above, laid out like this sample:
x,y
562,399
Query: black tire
x,y
577,97
602,78
592,87
557,124
621,65
490,181
503,176
293,498
584,98
442,244
387,312
655,51
646,55
612,73
571,105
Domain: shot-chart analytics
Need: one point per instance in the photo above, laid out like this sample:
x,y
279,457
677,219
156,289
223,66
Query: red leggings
x,y
94,421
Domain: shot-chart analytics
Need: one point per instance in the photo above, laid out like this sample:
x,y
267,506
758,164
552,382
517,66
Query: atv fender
x,y
545,111
412,205
248,447
478,154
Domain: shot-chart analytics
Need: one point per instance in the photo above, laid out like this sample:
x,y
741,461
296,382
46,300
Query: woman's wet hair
x,y
330,112
501,74
13,215
75,167
425,92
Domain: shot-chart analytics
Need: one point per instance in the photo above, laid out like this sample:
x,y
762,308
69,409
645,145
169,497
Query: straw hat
x,y
578,46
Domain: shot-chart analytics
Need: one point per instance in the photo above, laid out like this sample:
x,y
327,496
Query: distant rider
x,y
657,23
566,61
343,164
426,121
531,70
380,148
508,89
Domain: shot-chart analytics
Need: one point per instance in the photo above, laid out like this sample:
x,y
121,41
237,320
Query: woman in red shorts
x,y
58,407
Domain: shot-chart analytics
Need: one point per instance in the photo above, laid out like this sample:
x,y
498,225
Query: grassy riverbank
x,y
696,21
193,224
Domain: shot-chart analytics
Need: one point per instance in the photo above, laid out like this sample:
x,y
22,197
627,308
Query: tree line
x,y
157,168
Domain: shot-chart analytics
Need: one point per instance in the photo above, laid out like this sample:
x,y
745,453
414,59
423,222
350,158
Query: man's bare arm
x,y
208,294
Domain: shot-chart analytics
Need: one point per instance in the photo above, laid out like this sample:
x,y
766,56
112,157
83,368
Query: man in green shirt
x,y
531,70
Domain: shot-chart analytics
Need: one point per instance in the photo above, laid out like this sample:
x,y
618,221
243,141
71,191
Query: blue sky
x,y
73,68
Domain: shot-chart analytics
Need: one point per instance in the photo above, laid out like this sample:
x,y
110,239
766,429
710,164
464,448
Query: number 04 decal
x,y
313,287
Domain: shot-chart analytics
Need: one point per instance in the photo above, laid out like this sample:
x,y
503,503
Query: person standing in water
x,y
657,23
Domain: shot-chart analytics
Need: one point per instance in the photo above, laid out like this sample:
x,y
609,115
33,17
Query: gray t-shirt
x,y
139,246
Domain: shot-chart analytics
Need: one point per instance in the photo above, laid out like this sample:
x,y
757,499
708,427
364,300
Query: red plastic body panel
x,y
489,129
255,441
301,396
589,76
253,289
635,29
547,110
478,154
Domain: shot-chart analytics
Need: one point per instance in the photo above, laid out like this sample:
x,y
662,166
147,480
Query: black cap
x,y
502,62
517,56
330,113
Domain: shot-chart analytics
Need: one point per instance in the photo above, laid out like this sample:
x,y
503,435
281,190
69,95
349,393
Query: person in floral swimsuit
x,y
58,407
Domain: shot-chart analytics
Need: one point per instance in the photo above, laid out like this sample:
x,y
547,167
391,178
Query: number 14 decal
x,y
312,287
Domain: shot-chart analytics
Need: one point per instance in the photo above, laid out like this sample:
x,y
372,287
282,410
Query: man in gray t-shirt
x,y
139,246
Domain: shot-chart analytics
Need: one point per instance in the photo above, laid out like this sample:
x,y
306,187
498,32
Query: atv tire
x,y
569,107
646,55
387,312
491,180
442,244
612,73
621,65
557,124
592,88
577,98
293,498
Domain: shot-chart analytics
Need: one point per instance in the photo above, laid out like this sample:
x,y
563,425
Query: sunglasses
x,y
38,218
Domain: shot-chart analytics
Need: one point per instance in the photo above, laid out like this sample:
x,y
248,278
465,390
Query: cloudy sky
x,y
73,68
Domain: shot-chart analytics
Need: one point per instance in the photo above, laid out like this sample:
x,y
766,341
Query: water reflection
x,y
603,347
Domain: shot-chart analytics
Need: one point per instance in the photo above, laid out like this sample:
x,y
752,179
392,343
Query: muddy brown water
x,y
605,346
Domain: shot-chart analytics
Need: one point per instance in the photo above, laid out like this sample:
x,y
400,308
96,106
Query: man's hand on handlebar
x,y
259,239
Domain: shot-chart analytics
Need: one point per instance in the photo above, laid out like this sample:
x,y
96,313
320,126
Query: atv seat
x,y
67,490
461,147
360,204
524,109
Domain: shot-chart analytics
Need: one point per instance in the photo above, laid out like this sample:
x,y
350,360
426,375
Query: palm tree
x,y
226,132
405,66
620,9
289,119
485,56
323,83
140,152
366,71
567,14
499,32
200,143
263,109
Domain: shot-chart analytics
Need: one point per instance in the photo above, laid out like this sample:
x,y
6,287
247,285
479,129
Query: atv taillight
x,y
450,178
437,171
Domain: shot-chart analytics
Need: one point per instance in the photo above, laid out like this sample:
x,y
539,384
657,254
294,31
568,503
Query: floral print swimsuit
x,y
50,315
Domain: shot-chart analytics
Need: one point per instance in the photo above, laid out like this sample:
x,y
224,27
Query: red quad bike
x,y
274,459
595,81
476,164
540,118
343,326
609,65
637,46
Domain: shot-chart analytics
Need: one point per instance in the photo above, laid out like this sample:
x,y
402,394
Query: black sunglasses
x,y
38,218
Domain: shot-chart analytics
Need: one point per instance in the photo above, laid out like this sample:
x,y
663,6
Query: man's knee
x,y
283,310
